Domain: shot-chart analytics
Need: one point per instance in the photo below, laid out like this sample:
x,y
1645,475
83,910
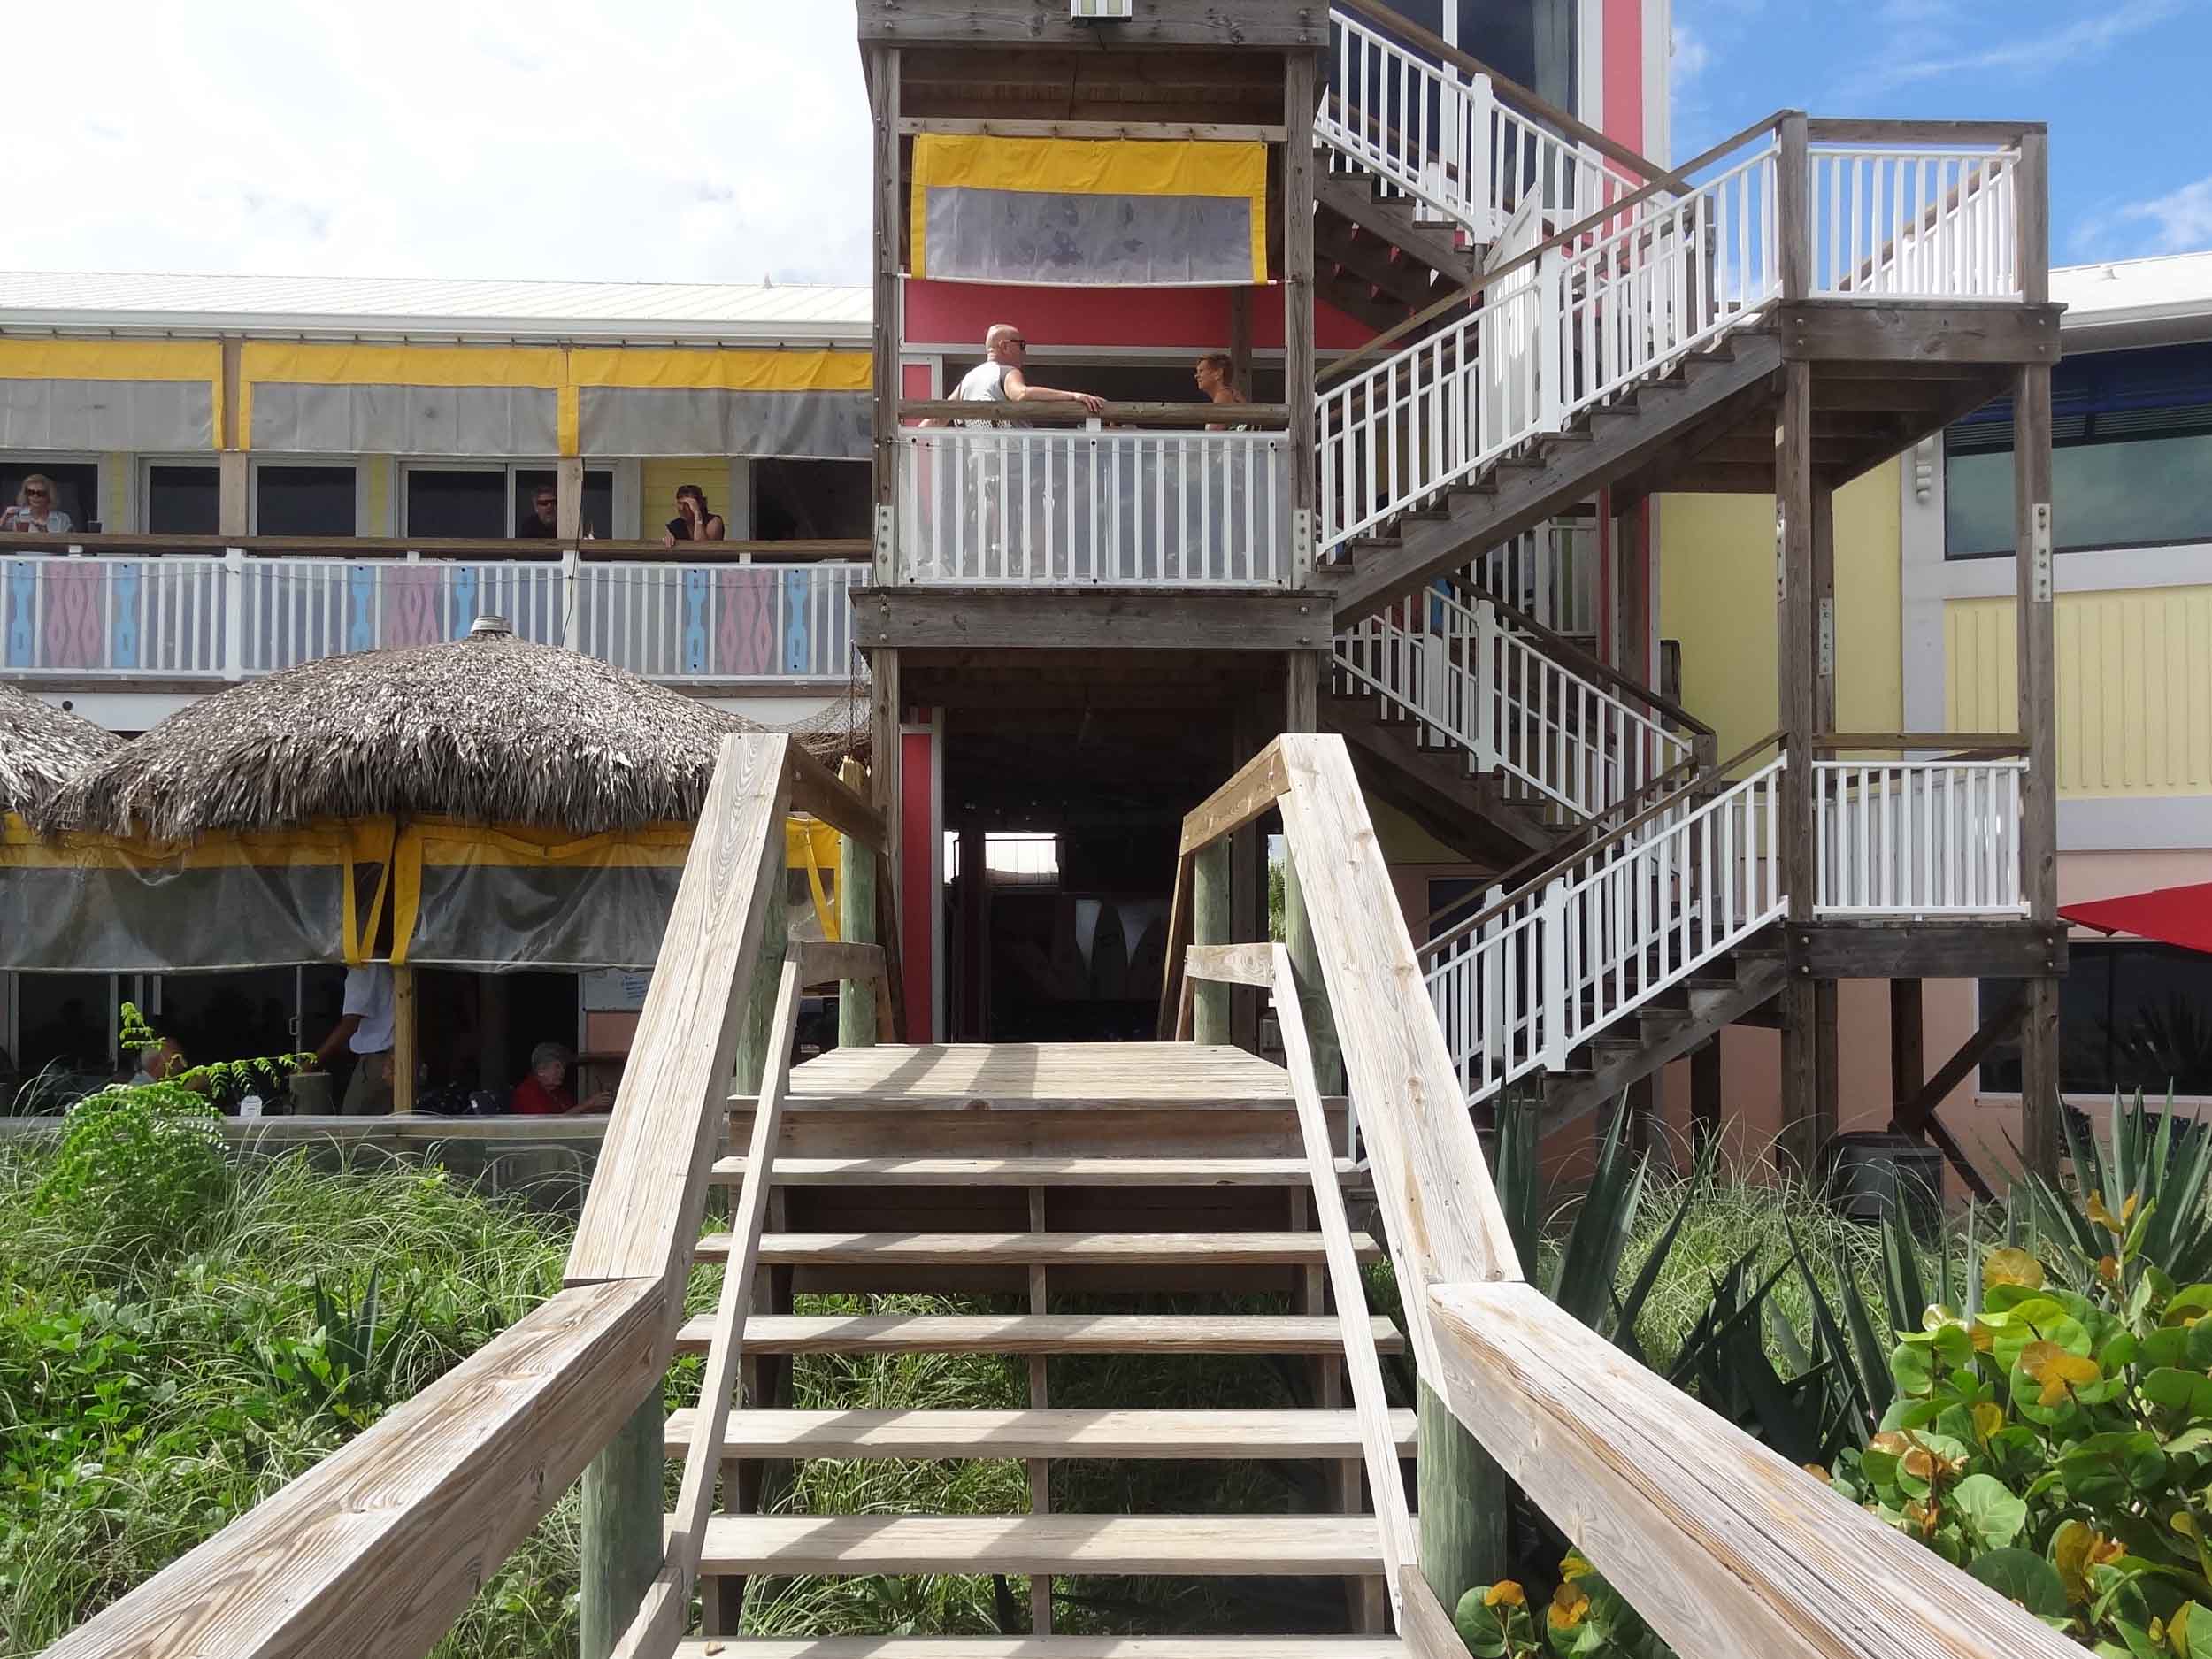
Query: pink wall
x,y
1171,319
1624,55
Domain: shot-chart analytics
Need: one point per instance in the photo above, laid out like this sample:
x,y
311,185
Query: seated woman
x,y
544,1093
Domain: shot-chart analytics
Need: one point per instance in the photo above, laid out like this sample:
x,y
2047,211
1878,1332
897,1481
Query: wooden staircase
x,y
876,1171
1378,256
1437,784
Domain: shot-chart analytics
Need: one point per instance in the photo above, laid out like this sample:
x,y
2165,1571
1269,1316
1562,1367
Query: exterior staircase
x,y
1054,1175
1379,256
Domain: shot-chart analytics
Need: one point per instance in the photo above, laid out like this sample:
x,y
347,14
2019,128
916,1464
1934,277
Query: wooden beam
x,y
619,1551
1084,618
1185,415
1205,132
406,1039
1251,791
1231,964
856,1009
643,1206
1925,950
827,961
1804,1130
886,235
1866,332
377,1550
1705,1090
1722,1545
1793,197
2035,652
817,791
886,751
1912,1115
1254,27
1301,95
1908,1041
1823,129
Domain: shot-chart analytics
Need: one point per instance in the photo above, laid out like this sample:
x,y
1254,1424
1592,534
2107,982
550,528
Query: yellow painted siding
x,y
1717,596
376,514
2134,700
115,477
657,487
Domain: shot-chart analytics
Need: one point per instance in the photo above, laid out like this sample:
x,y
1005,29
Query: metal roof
x,y
2128,302
290,307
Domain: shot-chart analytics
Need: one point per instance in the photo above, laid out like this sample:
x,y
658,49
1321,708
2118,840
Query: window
x,y
76,486
183,500
303,500
2130,1016
494,503
1012,858
2131,447
803,500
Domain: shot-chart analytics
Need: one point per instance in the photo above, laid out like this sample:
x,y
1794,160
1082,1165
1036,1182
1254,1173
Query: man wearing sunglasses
x,y
999,379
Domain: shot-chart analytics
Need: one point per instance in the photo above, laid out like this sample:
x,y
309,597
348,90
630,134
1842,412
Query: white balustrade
x,y
1044,507
1549,571
1474,682
1518,988
1908,838
1911,223
229,616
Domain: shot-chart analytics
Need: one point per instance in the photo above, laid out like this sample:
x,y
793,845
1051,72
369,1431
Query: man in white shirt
x,y
364,1030
1000,379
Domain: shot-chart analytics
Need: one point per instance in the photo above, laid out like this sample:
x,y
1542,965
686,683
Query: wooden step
x,y
1096,1433
1184,1546
1040,1334
1062,1249
1041,1647
1075,1172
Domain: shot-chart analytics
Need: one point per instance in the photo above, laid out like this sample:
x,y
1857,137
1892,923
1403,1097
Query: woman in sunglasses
x,y
34,510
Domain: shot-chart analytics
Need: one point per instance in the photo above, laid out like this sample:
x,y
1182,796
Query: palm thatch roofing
x,y
41,749
488,729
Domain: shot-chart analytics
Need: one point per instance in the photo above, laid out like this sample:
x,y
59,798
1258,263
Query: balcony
x,y
142,608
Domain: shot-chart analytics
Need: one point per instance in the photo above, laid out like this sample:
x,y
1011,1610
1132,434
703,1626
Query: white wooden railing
x,y
1550,572
1474,682
1039,507
1915,223
1518,986
1919,838
1438,133
231,615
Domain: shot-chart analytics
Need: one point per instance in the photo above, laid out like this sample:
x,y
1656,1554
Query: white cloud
x,y
1689,57
2029,56
2181,219
661,141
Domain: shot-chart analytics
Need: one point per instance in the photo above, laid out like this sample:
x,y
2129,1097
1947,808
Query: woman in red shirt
x,y
544,1093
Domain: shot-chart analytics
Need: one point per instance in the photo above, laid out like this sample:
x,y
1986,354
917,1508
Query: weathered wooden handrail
x,y
1184,416
1719,1543
547,550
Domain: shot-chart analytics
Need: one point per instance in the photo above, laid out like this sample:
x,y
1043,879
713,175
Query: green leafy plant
x,y
140,1168
1586,1618
343,1366
2162,1162
2056,1442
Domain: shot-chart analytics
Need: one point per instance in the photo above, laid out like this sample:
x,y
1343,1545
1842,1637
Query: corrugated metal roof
x,y
644,311
2173,287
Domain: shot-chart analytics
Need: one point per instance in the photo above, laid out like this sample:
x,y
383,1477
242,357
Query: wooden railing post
x,y
1313,995
1793,205
856,921
1465,1504
758,1034
623,1505
1210,899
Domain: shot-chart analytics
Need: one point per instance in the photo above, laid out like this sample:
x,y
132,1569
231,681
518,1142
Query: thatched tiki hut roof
x,y
41,749
490,729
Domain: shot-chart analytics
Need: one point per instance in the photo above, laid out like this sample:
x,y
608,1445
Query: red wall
x,y
1171,319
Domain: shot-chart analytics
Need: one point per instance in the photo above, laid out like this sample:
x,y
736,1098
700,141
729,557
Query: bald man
x,y
999,379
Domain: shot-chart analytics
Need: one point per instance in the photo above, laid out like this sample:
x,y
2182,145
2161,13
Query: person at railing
x,y
366,1029
545,1092
694,520
999,378
1216,375
544,522
161,1060
34,512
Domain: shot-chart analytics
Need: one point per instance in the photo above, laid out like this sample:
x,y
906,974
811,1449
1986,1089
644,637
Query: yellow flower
x,y
1505,1593
2012,1267
1568,1607
2103,1217
2056,1369
1574,1565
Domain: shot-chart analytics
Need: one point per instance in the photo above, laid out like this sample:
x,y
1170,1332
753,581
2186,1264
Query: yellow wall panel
x,y
656,488
1717,596
2134,693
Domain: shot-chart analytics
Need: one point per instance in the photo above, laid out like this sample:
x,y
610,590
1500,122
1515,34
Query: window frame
x,y
355,464
510,469
2111,946
39,460
142,483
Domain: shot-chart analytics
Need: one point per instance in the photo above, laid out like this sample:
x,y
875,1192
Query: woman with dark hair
x,y
694,520
1216,375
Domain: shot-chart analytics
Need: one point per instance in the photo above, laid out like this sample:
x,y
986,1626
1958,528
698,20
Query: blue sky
x,y
2125,85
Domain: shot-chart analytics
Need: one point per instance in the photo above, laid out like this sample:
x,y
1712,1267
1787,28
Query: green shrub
x,y
139,1169
1586,1618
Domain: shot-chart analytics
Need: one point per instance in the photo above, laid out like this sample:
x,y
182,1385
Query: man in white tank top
x,y
999,379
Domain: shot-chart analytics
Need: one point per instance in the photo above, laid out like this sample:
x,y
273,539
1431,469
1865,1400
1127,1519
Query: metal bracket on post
x,y
885,525
1827,636
2039,552
1300,545
1781,554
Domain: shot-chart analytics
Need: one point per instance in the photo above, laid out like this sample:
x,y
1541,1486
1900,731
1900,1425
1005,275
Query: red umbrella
x,y
2173,915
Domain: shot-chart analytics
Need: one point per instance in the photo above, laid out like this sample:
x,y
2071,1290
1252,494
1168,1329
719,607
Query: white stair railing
x,y
1520,984
1473,681
1919,838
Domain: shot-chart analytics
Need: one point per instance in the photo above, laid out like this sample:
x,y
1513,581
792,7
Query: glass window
x,y
183,501
303,500
76,488
456,502
2130,1016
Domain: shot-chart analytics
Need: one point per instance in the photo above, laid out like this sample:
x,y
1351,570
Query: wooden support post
x,y
1705,1091
758,1032
888,211
1240,339
2035,652
1039,1470
1464,1505
1827,1058
1641,1104
1210,876
885,791
1302,691
1907,1042
1793,201
1823,644
233,467
1803,1130
1313,996
965,999
1247,872
1300,93
856,924
623,1503
406,1041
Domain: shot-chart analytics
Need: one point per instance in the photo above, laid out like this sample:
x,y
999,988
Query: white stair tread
x,y
1069,1171
1074,1250
1041,1432
1182,1545
1039,1333
1019,1073
1041,1647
